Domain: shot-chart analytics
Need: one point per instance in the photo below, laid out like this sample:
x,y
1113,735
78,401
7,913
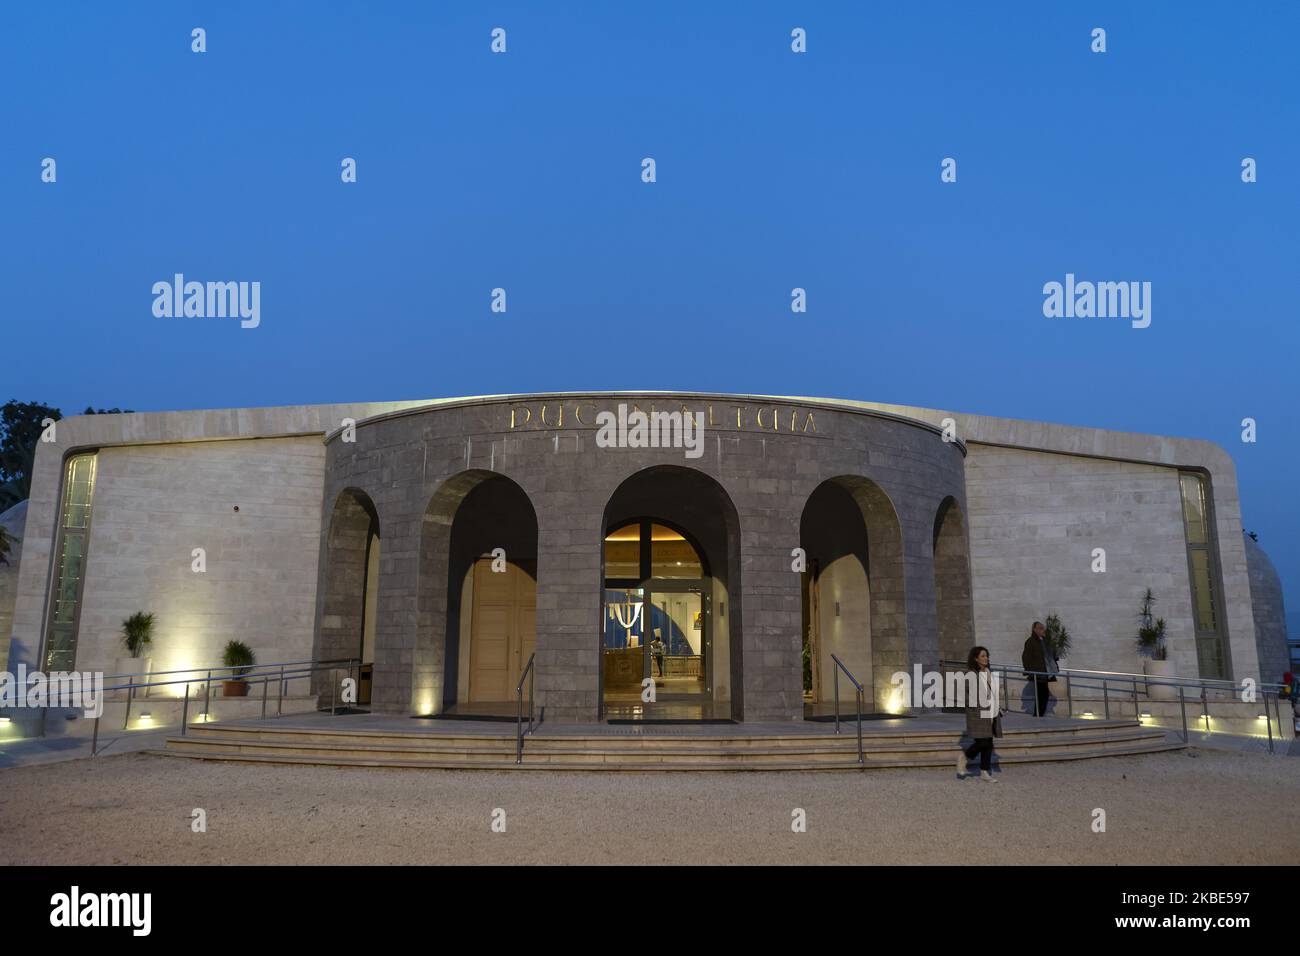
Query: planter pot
x,y
234,688
131,665
1160,669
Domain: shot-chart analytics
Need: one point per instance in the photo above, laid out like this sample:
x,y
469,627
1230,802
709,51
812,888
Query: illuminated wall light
x,y
1146,714
5,721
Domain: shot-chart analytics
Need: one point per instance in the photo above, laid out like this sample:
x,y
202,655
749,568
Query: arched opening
x,y
478,597
671,566
952,586
853,594
351,586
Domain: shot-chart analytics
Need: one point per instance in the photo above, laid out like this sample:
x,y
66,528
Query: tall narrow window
x,y
74,533
1198,525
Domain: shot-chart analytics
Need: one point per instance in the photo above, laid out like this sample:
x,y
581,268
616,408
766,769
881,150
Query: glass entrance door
x,y
677,643
656,628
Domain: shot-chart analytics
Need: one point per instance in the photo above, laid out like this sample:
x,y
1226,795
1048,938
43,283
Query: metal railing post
x,y
1105,696
1182,706
837,700
1205,708
279,702
1137,714
94,738
1069,697
207,698
185,710
266,685
861,758
126,721
530,673
1269,720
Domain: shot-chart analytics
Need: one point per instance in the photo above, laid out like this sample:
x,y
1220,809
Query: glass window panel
x,y
624,618
1194,515
80,489
1203,590
65,595
623,552
672,556
1209,655
60,650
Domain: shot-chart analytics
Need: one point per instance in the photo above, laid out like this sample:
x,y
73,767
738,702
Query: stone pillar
x,y
402,619
569,587
771,617
918,576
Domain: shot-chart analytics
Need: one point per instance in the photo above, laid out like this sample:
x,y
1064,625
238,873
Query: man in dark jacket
x,y
1039,661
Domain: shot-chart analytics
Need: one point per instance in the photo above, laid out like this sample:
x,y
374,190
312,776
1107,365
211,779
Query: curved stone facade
x,y
336,530
415,467
1270,613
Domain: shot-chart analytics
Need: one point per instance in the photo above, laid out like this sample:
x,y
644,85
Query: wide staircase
x,y
361,741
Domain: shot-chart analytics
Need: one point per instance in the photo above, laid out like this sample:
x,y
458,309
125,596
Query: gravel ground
x,y
1190,807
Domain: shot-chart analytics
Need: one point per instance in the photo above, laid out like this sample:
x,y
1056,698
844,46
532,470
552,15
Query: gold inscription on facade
x,y
770,418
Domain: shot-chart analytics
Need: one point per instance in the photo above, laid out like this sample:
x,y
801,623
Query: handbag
x,y
997,726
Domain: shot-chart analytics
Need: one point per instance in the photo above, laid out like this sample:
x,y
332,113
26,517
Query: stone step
x,y
1084,731
470,749
621,763
637,749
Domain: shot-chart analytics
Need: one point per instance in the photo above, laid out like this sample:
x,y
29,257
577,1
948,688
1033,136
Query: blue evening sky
x,y
775,170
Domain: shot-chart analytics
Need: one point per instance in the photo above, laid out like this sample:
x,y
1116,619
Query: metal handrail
x,y
839,664
1103,679
528,674
1206,682
246,673
236,670
1148,679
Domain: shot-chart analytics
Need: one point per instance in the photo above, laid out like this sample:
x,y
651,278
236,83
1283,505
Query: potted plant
x,y
1155,655
1058,639
239,656
137,635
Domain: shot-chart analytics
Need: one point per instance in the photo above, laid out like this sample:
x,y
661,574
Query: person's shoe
x,y
988,777
961,765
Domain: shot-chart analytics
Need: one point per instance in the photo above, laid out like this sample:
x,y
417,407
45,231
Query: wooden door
x,y
503,630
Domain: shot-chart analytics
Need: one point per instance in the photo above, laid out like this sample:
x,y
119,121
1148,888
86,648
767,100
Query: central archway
x,y
670,568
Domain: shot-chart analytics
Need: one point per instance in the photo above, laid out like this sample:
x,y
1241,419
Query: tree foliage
x,y
20,430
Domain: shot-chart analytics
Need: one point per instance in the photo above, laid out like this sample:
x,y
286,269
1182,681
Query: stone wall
x,y
154,504
1035,519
